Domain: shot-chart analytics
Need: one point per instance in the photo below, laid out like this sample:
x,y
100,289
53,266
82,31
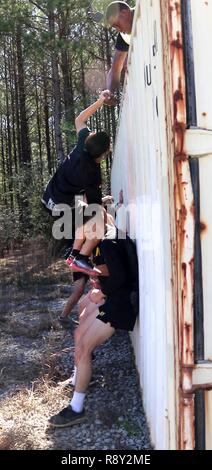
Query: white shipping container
x,y
162,163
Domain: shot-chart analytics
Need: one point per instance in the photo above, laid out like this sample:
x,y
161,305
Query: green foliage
x,y
34,36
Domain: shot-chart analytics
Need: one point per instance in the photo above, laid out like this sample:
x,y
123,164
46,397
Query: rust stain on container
x,y
203,227
191,265
184,267
185,223
177,8
193,210
187,423
176,43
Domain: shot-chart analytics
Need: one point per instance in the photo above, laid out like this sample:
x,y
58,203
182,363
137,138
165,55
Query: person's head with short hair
x,y
120,16
97,145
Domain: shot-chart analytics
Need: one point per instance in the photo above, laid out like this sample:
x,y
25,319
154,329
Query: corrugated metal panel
x,y
202,40
151,165
198,143
184,206
140,168
205,169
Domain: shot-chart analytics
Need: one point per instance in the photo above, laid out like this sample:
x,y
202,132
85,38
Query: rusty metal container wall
x,y
199,145
156,142
140,169
202,38
185,227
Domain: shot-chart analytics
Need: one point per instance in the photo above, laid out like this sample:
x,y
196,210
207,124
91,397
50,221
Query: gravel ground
x,y
33,342
115,415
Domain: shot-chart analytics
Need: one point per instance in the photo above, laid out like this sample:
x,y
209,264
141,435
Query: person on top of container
x,y
120,16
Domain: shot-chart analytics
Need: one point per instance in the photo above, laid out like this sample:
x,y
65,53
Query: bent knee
x,y
82,351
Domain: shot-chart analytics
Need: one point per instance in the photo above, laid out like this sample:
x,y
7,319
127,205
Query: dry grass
x,y
24,415
32,265
31,343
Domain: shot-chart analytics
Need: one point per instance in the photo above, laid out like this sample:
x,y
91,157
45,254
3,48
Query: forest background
x,y
53,63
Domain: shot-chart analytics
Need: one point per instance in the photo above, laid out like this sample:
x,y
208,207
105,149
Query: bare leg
x,y
79,287
97,333
84,302
87,238
79,238
87,317
89,246
94,230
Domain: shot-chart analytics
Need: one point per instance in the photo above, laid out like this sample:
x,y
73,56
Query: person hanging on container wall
x,y
112,306
79,174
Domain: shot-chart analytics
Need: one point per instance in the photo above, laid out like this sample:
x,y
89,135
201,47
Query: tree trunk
x,y
68,96
4,174
25,143
38,126
56,90
9,140
23,195
83,80
13,114
46,121
16,98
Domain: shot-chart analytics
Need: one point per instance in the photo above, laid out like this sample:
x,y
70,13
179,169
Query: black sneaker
x,y
66,417
83,266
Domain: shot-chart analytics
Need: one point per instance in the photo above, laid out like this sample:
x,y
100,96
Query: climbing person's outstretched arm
x,y
114,74
80,121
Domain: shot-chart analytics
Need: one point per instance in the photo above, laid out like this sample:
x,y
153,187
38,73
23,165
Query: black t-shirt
x,y
121,45
121,286
115,261
77,174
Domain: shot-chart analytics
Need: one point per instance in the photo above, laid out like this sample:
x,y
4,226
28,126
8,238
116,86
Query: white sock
x,y
73,377
77,402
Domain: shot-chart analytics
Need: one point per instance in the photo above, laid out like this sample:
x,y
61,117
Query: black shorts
x,y
118,311
80,214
